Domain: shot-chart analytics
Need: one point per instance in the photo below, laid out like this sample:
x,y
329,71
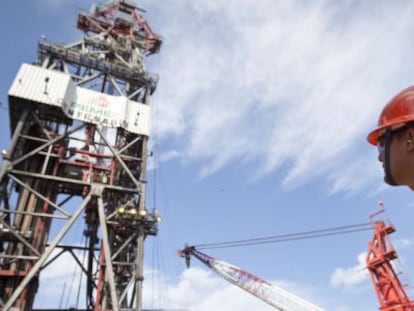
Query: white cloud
x,y
403,243
281,85
354,175
61,284
351,276
201,290
196,289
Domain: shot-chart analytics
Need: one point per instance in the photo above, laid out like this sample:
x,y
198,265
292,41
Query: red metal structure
x,y
390,291
275,296
79,120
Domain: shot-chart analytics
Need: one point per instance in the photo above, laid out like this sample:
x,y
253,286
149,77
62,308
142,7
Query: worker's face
x,y
399,156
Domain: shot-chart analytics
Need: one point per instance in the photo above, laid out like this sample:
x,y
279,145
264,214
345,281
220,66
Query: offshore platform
x,y
79,121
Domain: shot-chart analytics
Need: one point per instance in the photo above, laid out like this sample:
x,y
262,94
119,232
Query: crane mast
x,y
277,297
79,119
390,291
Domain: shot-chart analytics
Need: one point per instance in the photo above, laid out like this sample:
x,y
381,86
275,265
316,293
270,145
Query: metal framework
x,y
390,291
69,140
277,297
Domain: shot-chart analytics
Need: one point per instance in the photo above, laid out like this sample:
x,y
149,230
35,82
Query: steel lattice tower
x,y
79,120
390,290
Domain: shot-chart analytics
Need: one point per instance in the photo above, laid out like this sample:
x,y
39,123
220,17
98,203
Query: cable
x,y
289,237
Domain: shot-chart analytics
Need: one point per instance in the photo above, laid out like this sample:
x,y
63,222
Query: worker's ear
x,y
410,139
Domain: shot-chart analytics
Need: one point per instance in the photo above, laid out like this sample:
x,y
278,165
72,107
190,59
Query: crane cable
x,y
289,237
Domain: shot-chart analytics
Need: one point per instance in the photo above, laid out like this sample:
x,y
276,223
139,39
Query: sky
x,y
259,129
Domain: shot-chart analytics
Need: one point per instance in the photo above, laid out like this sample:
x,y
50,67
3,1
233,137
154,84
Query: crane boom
x,y
275,296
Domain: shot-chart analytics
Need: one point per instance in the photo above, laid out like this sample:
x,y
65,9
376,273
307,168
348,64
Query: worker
x,y
394,137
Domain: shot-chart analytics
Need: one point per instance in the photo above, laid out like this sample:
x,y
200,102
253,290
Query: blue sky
x,y
259,126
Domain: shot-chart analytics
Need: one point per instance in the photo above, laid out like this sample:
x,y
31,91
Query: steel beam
x,y
109,273
36,267
42,197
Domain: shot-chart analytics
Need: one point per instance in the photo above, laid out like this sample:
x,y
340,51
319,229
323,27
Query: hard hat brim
x,y
372,137
399,110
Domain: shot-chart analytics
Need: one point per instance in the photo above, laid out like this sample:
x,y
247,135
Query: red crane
x,y
277,297
389,289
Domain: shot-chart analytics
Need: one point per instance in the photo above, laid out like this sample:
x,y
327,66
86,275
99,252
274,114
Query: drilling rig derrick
x,y
79,120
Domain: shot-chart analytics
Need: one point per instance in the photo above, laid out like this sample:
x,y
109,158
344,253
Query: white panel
x,y
40,85
98,108
52,87
112,111
138,116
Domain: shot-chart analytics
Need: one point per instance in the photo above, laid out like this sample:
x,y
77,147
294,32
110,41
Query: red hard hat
x,y
399,109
